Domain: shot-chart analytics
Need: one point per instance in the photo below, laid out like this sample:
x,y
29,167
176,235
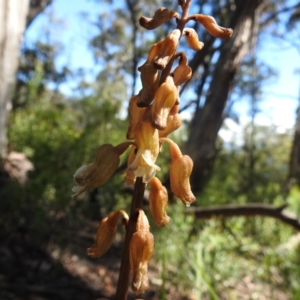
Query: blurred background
x,y
67,72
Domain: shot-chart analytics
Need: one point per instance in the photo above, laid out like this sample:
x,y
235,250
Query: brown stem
x,y
250,209
185,5
124,273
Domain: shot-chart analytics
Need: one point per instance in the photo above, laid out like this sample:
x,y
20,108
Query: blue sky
x,y
279,96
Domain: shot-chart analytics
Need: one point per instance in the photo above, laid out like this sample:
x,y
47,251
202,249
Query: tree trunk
x,y
294,165
208,119
12,24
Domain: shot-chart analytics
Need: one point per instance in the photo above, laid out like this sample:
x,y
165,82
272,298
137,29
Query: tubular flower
x,y
140,252
212,27
173,122
168,49
182,72
99,172
192,39
153,52
105,234
161,15
150,83
165,98
135,116
158,200
180,170
147,142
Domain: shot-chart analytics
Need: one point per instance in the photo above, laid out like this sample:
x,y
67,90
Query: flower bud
x,y
158,200
105,234
161,15
192,39
100,171
150,83
182,72
212,27
140,252
165,98
135,116
168,49
180,170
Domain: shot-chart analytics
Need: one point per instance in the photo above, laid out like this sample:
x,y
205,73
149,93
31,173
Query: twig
x,y
248,210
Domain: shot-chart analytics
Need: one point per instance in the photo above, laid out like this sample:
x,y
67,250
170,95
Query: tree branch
x,y
36,7
247,210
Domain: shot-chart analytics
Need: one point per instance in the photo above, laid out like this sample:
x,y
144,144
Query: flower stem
x,y
124,272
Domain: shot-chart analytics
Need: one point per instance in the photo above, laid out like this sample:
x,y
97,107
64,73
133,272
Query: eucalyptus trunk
x,y
207,120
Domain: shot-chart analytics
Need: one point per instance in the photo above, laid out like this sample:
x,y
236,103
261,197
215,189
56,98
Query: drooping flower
x,y
100,171
212,27
165,98
135,116
140,252
158,200
161,15
106,232
150,83
192,39
168,49
180,170
147,143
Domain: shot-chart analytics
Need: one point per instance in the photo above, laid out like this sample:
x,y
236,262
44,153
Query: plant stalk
x,y
124,273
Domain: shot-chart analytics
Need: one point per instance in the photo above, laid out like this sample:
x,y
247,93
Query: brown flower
x,y
192,39
165,98
140,252
212,27
180,170
158,200
135,116
100,171
168,49
147,143
105,234
150,83
161,15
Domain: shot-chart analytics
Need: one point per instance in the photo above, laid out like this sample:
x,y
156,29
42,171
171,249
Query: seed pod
x,y
168,49
150,83
212,27
105,234
165,98
158,200
99,172
140,252
180,170
192,39
182,72
135,116
161,15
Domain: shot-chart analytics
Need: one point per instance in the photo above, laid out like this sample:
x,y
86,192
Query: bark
x,y
208,119
294,165
15,16
12,24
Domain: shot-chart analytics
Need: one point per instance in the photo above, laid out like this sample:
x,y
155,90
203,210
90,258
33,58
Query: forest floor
x,y
51,271
32,271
